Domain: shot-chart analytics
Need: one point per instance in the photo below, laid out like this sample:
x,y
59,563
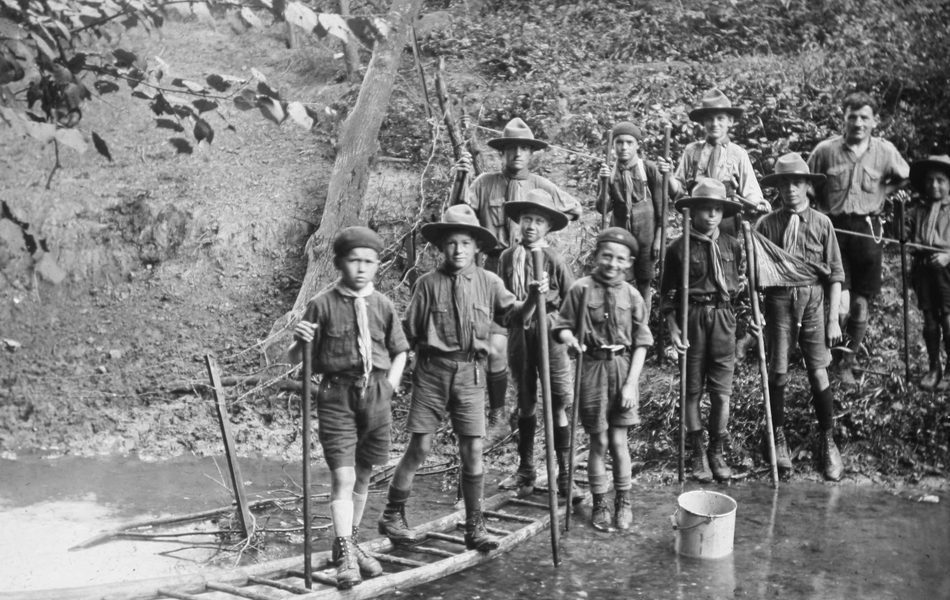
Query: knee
x,y
419,448
470,451
859,308
778,379
818,379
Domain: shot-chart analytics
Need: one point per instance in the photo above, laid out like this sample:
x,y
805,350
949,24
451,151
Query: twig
x,y
49,180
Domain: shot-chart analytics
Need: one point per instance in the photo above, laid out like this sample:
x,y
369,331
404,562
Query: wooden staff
x,y
305,406
580,332
605,193
899,217
545,368
684,327
665,199
760,343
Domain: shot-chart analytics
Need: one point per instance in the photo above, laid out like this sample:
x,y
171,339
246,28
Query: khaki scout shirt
x,y
560,276
615,315
701,279
335,342
733,161
818,234
917,223
489,192
855,184
453,312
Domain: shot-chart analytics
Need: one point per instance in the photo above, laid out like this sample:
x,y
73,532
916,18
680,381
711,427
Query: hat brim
x,y
920,168
729,207
697,114
775,178
503,142
436,232
514,210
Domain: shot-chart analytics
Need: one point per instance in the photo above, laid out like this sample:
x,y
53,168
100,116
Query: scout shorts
x,y
861,257
440,384
932,287
353,422
796,315
600,401
711,356
523,363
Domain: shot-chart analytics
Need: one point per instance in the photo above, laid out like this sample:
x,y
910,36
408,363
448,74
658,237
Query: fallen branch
x,y
189,387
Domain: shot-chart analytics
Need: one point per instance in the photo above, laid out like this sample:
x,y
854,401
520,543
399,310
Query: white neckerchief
x,y
364,337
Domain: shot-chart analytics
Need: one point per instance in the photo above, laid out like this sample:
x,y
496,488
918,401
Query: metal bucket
x,y
704,524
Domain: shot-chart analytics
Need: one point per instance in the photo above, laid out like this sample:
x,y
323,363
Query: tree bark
x,y
351,52
355,150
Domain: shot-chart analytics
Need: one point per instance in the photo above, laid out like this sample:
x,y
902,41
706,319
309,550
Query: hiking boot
x,y
717,459
699,465
945,382
736,455
577,496
521,482
623,514
783,458
392,523
931,379
369,566
600,517
344,557
830,457
476,536
498,428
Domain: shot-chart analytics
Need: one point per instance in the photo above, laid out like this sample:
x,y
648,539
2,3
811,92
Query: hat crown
x,y
518,129
791,164
460,214
714,98
541,198
710,188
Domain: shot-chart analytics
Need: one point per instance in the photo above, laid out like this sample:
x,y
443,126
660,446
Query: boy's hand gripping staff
x,y
684,328
305,407
580,331
605,193
664,201
545,369
902,235
760,343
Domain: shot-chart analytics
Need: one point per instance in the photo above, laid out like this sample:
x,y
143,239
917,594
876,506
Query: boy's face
x,y
794,192
717,125
517,157
626,147
459,249
937,185
534,227
858,124
706,217
358,267
612,260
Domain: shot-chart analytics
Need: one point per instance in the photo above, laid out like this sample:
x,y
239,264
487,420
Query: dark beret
x,y
619,235
356,237
627,128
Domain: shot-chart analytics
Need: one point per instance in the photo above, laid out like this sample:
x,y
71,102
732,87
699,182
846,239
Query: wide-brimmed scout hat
x,y
940,162
517,132
460,217
714,101
791,165
618,235
537,201
710,190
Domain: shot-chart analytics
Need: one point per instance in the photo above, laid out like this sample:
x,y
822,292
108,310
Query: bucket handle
x,y
678,527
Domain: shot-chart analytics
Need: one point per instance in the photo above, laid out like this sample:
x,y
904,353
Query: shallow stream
x,y
806,541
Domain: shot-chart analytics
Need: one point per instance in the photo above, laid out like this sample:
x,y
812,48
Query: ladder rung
x,y
488,528
280,585
176,595
454,539
430,550
397,560
508,517
315,576
521,502
235,591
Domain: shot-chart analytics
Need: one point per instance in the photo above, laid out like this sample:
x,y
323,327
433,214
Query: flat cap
x,y
619,235
357,237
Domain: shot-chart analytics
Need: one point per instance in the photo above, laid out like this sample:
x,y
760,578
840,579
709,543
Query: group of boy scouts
x,y
470,326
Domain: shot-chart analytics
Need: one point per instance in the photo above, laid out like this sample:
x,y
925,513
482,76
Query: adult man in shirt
x,y
861,170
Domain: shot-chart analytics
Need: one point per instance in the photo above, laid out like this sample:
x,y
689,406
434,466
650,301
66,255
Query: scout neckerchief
x,y
460,306
364,337
792,240
930,224
609,308
623,179
715,257
710,155
513,194
519,276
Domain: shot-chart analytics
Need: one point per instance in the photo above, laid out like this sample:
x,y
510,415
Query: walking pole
x,y
305,406
541,312
899,217
684,326
760,343
605,193
665,199
580,332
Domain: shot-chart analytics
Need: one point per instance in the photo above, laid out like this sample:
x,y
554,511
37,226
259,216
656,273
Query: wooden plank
x,y
431,551
280,585
521,502
236,591
230,449
397,560
444,537
177,595
316,576
508,517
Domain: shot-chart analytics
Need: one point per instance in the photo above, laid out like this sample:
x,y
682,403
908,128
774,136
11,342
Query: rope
x,y
887,240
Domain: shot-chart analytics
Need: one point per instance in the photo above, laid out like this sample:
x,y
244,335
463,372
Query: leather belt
x,y
605,353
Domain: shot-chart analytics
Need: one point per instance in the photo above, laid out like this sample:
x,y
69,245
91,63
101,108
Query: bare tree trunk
x,y
355,150
351,52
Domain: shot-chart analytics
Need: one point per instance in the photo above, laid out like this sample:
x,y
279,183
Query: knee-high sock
x,y
527,426
562,446
396,498
497,389
359,505
824,404
472,492
777,404
856,331
932,341
341,511
598,483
